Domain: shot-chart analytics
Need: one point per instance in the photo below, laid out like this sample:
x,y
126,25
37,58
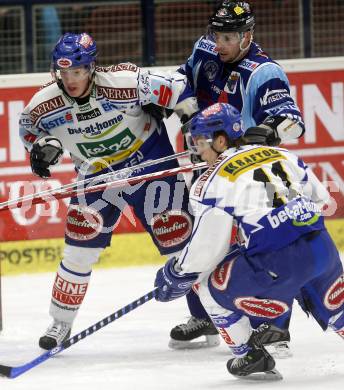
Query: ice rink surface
x,y
132,352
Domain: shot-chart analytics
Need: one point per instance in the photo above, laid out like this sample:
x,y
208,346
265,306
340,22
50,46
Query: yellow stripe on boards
x,y
131,249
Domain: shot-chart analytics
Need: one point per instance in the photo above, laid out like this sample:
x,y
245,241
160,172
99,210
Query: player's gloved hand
x,y
262,135
268,132
45,152
171,284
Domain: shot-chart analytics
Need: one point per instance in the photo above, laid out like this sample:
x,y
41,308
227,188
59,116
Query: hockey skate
x,y
257,364
274,339
55,335
187,336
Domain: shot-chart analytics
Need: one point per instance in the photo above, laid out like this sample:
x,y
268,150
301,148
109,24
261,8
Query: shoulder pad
x,y
45,100
48,84
254,59
248,159
117,85
125,66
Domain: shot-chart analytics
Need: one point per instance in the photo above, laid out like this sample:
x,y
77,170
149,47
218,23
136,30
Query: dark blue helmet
x,y
73,50
218,117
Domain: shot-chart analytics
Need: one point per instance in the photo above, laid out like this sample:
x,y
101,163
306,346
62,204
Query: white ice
x,y
132,353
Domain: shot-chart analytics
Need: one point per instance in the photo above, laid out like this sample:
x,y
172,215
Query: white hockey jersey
x,y
112,125
270,193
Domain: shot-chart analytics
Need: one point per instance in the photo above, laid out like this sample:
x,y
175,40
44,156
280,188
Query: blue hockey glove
x,y
172,285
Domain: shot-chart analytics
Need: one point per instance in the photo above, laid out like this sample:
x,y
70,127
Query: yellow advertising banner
x,y
33,256
131,249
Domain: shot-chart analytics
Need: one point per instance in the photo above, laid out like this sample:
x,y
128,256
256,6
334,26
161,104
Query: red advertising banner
x,y
16,179
319,94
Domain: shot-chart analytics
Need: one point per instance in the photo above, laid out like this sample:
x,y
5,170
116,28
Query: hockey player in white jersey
x,y
106,117
286,251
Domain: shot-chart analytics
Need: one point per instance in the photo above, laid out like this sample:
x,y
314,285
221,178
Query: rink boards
x,y
130,249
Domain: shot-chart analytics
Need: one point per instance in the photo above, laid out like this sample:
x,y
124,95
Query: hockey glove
x,y
172,285
262,135
45,152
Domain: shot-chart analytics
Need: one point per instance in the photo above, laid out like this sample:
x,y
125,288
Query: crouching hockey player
x,y
275,200
108,118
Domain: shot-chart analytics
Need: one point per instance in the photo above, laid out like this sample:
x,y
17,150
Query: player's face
x,y
228,44
204,149
75,80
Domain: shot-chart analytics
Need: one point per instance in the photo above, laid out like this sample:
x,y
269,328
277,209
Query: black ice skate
x,y
55,335
257,364
185,336
276,340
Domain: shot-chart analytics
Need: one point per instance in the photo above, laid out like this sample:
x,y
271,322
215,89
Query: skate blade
x,y
279,352
210,341
268,376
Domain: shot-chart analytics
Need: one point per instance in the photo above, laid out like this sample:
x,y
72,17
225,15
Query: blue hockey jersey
x,y
256,85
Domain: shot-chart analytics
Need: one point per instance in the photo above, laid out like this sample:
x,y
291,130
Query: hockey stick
x,y
121,174
60,193
13,372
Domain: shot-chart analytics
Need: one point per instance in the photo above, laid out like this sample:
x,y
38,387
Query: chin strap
x,y
242,51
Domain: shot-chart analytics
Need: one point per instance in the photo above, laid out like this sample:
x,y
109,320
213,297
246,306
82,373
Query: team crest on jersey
x,y
171,227
334,297
210,70
269,308
83,223
232,82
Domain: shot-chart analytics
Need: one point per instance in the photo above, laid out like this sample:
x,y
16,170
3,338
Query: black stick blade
x,y
5,371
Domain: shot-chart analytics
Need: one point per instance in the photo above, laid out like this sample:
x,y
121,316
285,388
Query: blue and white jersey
x,y
112,125
270,194
255,85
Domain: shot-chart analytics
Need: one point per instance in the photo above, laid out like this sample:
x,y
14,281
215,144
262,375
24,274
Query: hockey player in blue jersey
x,y
286,251
226,65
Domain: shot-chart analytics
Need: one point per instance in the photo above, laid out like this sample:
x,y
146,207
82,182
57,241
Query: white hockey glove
x,y
45,151
273,131
186,109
